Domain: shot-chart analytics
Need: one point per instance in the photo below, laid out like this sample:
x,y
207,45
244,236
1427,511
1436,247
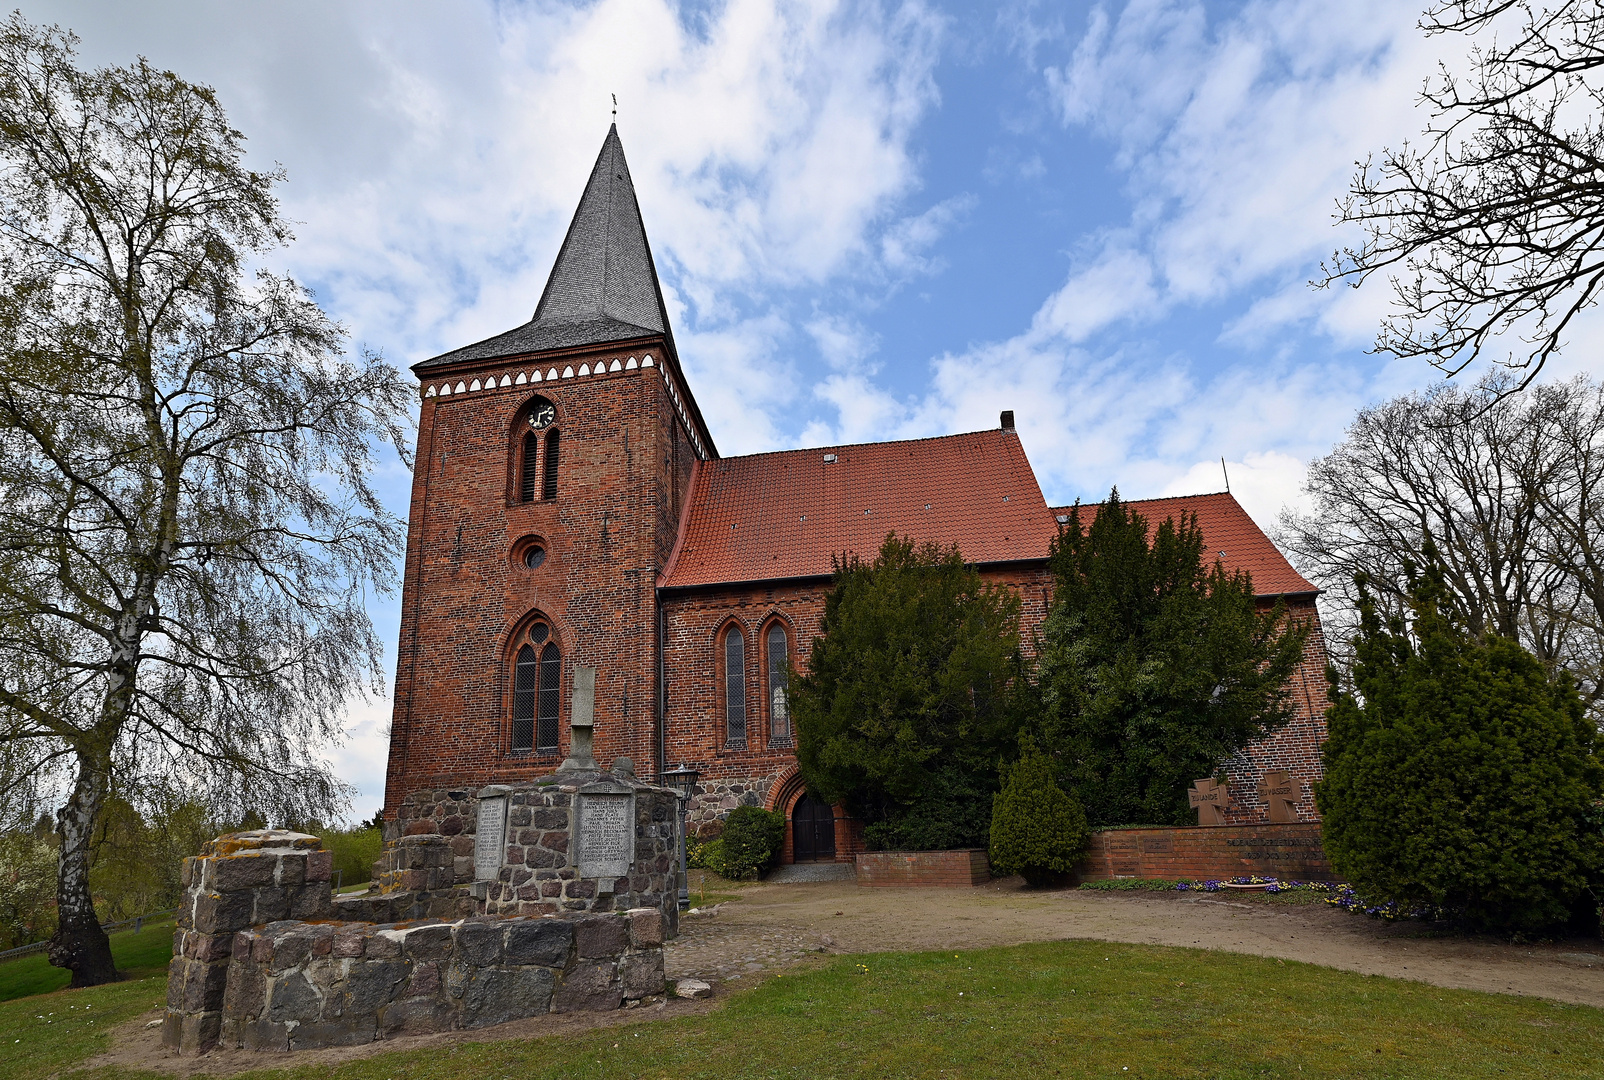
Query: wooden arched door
x,y
813,829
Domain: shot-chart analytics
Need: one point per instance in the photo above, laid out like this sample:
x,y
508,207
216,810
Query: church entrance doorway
x,y
813,829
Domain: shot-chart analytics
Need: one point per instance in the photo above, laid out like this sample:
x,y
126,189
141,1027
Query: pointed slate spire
x,y
604,285
604,269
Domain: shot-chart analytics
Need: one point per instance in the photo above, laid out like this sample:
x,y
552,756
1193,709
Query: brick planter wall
x,y
915,869
1289,851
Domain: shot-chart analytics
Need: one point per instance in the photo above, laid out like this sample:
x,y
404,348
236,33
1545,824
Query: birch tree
x,y
188,528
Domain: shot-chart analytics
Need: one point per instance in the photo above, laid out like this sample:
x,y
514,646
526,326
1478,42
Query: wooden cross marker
x,y
1210,800
1282,792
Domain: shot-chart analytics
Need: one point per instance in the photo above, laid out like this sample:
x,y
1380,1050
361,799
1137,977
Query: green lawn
x,y
134,953
1065,1008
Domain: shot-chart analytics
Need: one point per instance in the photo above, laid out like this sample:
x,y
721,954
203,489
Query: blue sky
x,y
873,220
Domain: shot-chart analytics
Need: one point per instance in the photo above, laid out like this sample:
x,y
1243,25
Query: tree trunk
x,y
79,944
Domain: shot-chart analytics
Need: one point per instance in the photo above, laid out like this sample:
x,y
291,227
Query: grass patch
x,y
134,954
1071,1008
41,1035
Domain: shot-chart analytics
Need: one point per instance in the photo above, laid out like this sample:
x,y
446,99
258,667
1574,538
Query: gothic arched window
x,y
779,672
525,678
735,687
551,673
536,691
537,416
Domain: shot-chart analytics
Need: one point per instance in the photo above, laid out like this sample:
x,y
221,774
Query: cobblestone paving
x,y
723,948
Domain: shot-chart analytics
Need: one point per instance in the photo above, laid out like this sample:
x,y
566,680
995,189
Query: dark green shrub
x,y
704,854
1037,829
1457,775
749,844
954,812
1155,664
917,677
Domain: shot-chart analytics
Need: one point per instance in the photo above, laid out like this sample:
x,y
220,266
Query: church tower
x,y
553,466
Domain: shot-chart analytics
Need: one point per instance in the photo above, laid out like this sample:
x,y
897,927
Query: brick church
x,y
569,507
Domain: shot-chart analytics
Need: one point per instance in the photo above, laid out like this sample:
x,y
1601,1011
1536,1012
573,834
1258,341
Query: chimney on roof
x,y
1008,420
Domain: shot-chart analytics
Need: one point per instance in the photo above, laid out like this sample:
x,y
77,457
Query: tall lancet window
x,y
551,677
525,678
536,691
779,676
735,687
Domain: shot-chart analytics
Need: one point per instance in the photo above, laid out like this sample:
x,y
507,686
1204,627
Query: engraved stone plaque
x,y
490,839
606,835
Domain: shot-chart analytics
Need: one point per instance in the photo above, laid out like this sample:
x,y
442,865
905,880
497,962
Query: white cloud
x,y
436,153
1237,137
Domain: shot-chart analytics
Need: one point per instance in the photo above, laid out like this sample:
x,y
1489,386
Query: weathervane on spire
x,y
615,108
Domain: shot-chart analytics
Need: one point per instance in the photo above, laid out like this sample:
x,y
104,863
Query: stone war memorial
x,y
515,900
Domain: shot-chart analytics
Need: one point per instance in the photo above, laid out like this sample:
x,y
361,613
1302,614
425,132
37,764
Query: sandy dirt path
x,y
770,924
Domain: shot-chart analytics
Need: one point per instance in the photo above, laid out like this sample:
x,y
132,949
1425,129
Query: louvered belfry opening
x,y
735,688
530,473
550,487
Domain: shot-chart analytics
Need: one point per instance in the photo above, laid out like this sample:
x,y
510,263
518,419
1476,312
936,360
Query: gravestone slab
x,y
490,837
606,830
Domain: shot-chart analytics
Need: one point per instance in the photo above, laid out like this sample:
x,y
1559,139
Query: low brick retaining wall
x,y
913,869
1288,851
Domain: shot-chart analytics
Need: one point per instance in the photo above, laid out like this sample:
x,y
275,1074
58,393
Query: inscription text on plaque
x,y
606,835
490,839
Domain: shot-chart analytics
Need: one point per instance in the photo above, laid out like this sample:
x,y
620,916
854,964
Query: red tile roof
x,y
783,515
1229,534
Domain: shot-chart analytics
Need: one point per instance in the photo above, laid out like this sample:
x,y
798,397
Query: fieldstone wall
x,y
432,843
715,798
239,880
294,986
265,958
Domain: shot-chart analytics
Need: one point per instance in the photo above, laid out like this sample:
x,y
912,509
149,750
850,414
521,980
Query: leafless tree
x,y
1491,229
1510,489
188,533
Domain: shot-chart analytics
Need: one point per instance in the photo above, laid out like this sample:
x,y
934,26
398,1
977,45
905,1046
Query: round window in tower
x,y
534,557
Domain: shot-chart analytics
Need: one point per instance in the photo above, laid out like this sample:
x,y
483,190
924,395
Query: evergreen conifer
x,y
1156,665
1457,775
1037,829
